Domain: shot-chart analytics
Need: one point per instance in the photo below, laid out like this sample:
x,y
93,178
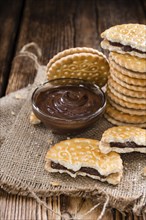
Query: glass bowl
x,y
68,106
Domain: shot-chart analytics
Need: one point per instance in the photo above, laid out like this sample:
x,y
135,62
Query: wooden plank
x,y
85,25
118,12
10,17
50,25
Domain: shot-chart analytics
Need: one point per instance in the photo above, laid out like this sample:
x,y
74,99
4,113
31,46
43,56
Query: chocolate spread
x,y
125,48
126,144
69,102
88,170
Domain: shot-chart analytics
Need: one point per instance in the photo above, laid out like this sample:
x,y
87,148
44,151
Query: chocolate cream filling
x,y
87,170
126,48
126,144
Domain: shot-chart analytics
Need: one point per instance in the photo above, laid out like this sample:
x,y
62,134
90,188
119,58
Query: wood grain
x,y
55,33
10,18
55,25
22,208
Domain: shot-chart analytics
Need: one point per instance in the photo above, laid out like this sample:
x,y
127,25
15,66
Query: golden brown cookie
x,y
130,111
127,98
76,50
127,72
124,117
124,103
123,139
81,156
135,64
126,38
127,79
89,66
125,91
119,123
128,86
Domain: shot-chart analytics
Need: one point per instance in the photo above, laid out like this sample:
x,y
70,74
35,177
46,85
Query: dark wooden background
x,y
54,25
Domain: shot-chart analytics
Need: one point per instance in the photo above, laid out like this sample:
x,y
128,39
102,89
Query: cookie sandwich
x,y
123,139
126,38
82,157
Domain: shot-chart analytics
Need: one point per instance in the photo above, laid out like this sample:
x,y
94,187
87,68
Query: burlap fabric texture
x,y
23,151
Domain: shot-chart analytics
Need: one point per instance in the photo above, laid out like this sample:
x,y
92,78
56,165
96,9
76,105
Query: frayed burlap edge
x,y
137,205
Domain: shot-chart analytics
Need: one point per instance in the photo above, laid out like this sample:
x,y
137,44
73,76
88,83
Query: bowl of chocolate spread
x,y
68,106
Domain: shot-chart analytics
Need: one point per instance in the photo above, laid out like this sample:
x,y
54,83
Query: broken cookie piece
x,y
81,156
33,119
123,139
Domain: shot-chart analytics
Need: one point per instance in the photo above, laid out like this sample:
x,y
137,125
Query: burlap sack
x,y
22,162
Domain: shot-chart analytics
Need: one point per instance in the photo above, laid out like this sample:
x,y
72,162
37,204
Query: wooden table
x,y
54,25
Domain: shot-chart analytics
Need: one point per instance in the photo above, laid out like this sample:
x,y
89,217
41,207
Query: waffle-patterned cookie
x,y
123,139
126,38
81,156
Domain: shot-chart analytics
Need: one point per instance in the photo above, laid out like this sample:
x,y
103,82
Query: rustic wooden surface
x,y
54,25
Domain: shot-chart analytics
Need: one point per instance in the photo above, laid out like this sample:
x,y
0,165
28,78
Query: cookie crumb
x,y
143,173
13,113
33,119
18,96
55,183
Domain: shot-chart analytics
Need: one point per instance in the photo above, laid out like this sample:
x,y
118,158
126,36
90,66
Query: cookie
x,y
81,156
33,119
124,117
126,38
70,51
123,139
128,86
107,46
127,72
84,65
129,62
127,98
124,103
127,79
119,123
130,111
125,91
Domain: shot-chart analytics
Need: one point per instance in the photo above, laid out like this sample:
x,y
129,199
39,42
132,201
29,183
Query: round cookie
x,y
70,51
119,123
130,35
87,66
124,117
130,111
125,91
127,72
127,79
128,86
127,98
129,62
124,103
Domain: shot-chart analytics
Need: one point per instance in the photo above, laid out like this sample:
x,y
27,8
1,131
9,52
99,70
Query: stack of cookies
x,y
126,90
